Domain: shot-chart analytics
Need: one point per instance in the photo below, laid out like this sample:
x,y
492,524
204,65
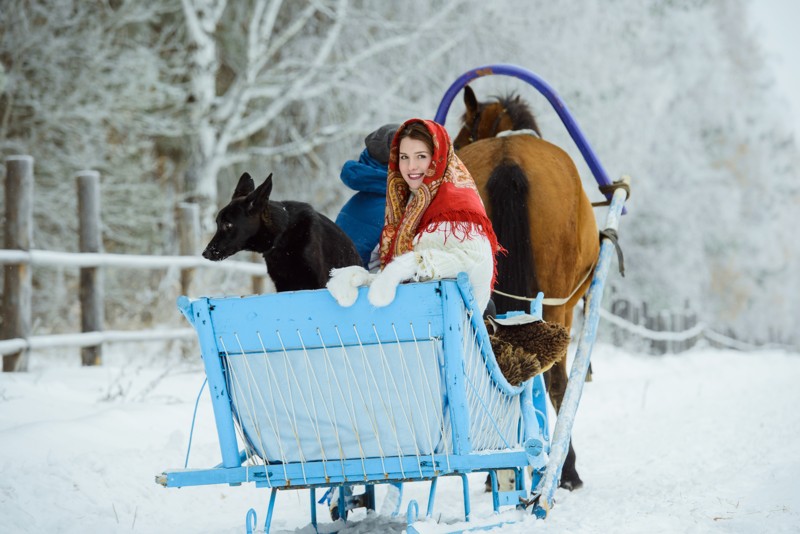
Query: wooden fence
x,y
656,332
18,259
660,332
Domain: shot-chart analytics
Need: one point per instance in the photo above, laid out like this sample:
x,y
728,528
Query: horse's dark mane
x,y
521,115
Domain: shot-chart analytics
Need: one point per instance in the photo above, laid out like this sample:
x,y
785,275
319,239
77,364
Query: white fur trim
x,y
506,133
437,255
344,282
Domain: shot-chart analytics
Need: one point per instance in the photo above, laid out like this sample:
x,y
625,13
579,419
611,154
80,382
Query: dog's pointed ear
x,y
259,198
244,187
470,101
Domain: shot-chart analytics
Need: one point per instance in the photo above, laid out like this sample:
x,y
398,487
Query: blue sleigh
x,y
319,395
307,394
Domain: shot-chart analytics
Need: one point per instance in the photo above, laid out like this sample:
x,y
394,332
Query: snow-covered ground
x,y
705,441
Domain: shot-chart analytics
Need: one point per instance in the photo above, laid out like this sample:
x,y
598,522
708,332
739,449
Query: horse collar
x,y
529,131
473,135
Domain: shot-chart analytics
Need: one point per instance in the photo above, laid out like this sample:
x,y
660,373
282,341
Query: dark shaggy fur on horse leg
x,y
569,475
524,351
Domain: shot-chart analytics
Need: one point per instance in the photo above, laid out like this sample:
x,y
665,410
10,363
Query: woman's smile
x,y
414,160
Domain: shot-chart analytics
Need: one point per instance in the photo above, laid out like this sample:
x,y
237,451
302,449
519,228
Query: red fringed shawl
x,y
447,195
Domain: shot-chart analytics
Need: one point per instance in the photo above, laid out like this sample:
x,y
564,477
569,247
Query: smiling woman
x,y
415,153
435,225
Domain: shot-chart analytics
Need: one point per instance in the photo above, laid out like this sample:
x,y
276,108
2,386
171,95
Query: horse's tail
x,y
507,189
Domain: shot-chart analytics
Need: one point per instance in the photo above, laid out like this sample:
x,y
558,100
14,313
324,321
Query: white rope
x,y
492,420
445,429
370,408
477,417
334,425
350,415
253,417
232,371
488,404
422,407
555,302
388,404
288,368
345,360
699,330
315,421
367,409
397,391
434,406
406,375
477,370
270,379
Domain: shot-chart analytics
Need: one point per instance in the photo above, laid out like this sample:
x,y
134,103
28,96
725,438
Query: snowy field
x,y
705,441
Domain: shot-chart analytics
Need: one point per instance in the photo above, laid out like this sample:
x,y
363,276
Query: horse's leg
x,y
556,383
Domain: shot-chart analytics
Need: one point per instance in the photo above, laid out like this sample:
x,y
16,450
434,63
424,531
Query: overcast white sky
x,y
777,21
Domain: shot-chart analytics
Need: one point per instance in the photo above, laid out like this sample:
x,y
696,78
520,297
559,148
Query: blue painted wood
x,y
455,384
217,386
433,309
465,494
546,90
432,497
270,509
283,319
476,320
580,365
348,471
313,497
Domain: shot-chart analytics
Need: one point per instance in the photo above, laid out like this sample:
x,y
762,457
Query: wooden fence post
x,y
188,239
258,281
18,235
91,288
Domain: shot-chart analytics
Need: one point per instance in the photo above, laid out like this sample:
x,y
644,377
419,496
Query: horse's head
x,y
482,120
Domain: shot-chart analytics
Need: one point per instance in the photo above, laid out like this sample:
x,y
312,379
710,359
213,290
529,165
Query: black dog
x,y
299,244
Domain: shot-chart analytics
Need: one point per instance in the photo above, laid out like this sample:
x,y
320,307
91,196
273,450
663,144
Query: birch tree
x,y
277,81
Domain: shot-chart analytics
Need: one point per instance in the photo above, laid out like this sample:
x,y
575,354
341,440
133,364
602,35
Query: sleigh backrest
x,y
301,379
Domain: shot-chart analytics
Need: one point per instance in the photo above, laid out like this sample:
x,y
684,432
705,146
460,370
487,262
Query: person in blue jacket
x,y
361,217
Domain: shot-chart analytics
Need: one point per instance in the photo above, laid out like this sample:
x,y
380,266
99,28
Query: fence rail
x,y
662,331
18,259
671,331
51,258
91,339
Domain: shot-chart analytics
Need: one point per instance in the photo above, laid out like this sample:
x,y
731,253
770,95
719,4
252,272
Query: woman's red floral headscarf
x,y
447,195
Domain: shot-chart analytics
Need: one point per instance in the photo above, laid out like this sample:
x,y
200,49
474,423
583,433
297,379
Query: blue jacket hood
x,y
366,174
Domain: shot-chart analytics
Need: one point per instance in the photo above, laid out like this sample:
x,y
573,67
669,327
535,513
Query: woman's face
x,y
415,158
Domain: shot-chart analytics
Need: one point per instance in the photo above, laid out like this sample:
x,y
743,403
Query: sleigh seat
x,y
309,394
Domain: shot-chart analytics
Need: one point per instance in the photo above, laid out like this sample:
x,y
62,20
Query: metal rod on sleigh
x,y
563,428
580,364
549,93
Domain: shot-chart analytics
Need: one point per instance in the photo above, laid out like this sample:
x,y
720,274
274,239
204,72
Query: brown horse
x,y
541,215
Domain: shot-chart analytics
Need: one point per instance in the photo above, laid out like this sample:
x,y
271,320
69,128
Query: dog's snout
x,y
211,253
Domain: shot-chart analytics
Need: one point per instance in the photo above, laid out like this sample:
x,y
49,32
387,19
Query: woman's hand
x,y
384,286
344,283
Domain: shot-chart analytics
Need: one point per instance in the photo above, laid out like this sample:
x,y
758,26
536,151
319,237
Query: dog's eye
x,y
227,226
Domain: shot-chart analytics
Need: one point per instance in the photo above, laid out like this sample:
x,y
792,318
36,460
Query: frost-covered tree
x,y
92,86
676,95
276,82
172,99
